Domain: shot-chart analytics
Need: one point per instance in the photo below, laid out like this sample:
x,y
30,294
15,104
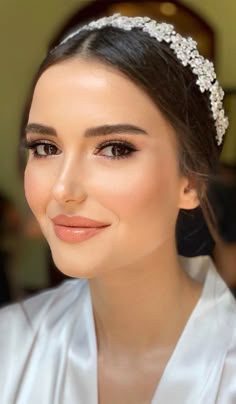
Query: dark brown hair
x,y
153,66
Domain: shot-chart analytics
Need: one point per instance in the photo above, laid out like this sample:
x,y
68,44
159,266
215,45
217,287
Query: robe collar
x,y
193,372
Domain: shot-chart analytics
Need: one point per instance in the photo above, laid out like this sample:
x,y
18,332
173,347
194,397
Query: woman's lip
x,y
73,234
77,221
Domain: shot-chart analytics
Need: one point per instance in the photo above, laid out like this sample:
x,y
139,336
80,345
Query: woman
x,y
122,133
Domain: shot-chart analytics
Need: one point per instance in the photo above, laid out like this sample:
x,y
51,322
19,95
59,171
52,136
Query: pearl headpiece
x,y
185,50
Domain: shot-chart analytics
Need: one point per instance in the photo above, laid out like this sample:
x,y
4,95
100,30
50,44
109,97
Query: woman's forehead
x,y
87,88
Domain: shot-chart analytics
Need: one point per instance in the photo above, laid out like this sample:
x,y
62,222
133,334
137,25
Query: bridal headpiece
x,y
185,50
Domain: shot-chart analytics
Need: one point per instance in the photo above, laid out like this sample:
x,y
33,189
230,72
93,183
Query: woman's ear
x,y
188,198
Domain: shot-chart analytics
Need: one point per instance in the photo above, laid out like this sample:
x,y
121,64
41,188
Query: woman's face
x,y
83,163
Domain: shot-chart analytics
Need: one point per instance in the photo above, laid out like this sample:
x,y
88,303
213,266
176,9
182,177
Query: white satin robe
x,y
48,352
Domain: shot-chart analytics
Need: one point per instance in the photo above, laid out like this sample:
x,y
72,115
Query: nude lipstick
x,y
74,229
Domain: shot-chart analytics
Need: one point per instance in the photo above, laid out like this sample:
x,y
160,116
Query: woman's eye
x,y
46,149
116,150
43,149
112,150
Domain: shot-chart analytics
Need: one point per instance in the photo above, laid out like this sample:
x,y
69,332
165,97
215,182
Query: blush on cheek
x,y
135,191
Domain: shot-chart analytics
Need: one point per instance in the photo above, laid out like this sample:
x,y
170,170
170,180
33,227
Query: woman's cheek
x,y
127,191
35,186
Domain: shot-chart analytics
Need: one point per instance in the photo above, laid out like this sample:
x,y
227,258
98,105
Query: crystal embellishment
x,y
185,50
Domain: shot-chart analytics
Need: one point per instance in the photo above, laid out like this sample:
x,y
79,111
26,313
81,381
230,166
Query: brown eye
x,y
116,150
45,149
41,148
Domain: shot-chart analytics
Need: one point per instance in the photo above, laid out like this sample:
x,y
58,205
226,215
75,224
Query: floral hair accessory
x,y
185,50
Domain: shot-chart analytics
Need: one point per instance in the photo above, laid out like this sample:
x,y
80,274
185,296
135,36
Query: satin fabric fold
x,y
48,350
195,369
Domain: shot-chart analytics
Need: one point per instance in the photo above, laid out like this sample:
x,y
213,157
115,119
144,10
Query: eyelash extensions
x,y
125,149
117,144
35,145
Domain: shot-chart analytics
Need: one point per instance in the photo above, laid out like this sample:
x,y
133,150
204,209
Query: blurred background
x,y
28,29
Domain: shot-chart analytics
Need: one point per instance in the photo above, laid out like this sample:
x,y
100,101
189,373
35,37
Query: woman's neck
x,y
144,307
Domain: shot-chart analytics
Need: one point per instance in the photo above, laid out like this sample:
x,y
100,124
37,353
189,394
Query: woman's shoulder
x,y
33,333
30,313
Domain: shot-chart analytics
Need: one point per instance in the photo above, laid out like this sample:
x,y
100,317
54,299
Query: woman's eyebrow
x,y
90,132
111,129
41,129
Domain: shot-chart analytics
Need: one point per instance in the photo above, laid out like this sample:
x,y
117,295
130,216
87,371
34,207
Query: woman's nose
x,y
68,185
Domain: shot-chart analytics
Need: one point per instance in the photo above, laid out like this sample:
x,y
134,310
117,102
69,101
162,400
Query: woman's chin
x,y
80,270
